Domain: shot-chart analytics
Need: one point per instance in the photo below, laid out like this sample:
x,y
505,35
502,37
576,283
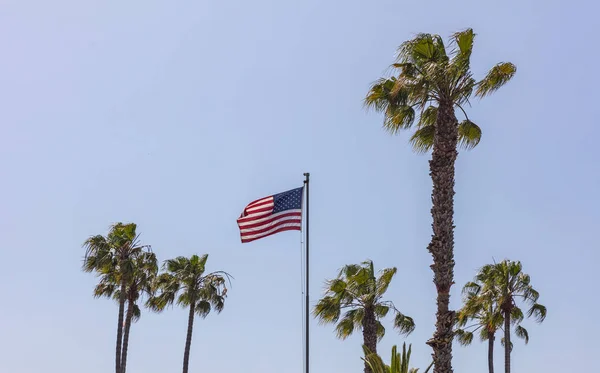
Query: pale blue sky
x,y
175,114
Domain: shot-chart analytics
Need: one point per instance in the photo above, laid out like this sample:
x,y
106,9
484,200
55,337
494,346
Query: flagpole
x,y
307,305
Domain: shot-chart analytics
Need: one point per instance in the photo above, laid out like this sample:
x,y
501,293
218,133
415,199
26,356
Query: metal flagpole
x,y
307,305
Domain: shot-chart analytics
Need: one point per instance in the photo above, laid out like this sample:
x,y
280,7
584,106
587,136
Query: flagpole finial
x,y
306,177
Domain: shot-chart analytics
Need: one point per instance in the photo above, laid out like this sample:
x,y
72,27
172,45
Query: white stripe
x,y
260,220
270,204
272,223
299,225
260,201
258,214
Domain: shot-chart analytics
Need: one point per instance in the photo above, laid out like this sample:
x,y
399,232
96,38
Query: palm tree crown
x,y
355,290
507,286
480,313
186,283
427,76
114,258
358,293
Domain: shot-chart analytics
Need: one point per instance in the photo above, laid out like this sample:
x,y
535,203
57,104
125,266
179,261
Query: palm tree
x,y
114,255
399,364
482,314
358,292
429,84
140,283
185,280
510,285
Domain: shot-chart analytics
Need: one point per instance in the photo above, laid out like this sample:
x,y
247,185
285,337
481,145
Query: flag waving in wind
x,y
270,215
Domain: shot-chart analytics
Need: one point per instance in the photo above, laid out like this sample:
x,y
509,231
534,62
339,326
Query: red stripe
x,y
264,209
259,202
261,215
272,233
244,220
262,206
270,199
266,229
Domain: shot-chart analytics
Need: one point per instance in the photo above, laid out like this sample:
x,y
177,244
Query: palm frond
x,y
400,118
345,327
522,333
327,310
384,280
428,117
499,75
469,134
380,330
464,337
538,311
422,139
403,323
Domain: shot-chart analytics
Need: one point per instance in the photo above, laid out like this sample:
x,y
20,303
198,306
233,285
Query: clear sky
x,y
176,114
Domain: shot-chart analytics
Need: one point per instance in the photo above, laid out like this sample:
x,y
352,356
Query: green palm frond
x,y
137,313
463,42
522,333
327,310
464,337
538,311
345,327
503,343
496,78
381,310
428,117
469,134
516,315
380,330
403,323
399,362
384,280
422,139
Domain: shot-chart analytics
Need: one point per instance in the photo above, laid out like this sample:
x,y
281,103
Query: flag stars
x,y
288,200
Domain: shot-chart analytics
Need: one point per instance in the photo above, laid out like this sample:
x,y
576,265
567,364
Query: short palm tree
x,y
480,313
140,283
511,286
428,85
399,363
114,255
186,283
359,294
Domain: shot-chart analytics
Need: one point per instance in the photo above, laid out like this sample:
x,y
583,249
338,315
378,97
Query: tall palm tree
x,y
115,254
429,84
144,272
359,294
511,286
186,283
479,313
399,362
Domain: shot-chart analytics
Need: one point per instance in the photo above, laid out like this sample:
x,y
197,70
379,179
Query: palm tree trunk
x,y
507,345
491,338
442,242
369,326
126,335
188,340
120,328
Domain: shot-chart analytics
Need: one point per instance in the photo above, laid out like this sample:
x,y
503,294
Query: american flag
x,y
270,215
